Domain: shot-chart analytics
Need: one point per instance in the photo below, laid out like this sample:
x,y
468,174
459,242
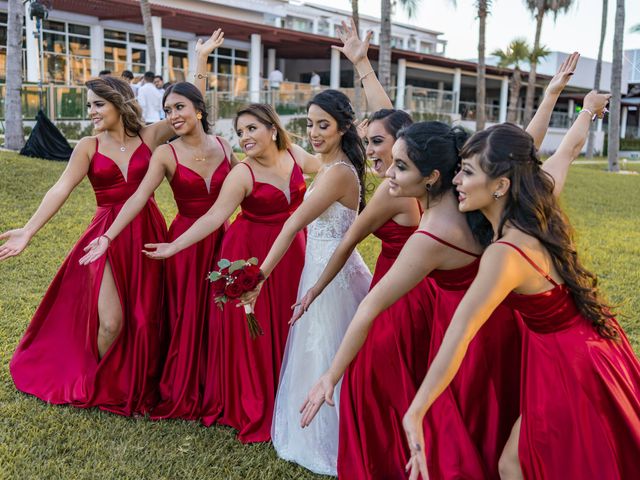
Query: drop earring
x,y
199,115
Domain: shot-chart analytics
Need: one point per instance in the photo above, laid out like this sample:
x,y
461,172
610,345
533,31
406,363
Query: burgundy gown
x,y
382,380
187,386
57,359
580,392
251,368
468,425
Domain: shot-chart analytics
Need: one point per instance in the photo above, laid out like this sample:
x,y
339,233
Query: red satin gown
x,y
57,359
580,392
382,380
187,385
251,368
469,424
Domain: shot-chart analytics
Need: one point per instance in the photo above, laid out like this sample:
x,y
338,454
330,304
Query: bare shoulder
x,y
86,146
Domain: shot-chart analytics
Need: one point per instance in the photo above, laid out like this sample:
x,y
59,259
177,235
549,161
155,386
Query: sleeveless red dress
x,y
57,359
380,383
251,368
187,384
580,392
467,427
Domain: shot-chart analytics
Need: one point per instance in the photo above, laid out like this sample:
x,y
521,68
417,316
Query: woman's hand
x,y
159,251
353,48
563,75
250,298
362,128
206,48
417,464
302,305
16,241
596,102
96,248
321,392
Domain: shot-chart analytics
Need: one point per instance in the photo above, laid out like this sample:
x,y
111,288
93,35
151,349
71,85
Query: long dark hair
x,y
191,93
507,151
337,104
118,92
392,119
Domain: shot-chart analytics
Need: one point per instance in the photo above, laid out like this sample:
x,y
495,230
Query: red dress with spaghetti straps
x,y
57,359
469,424
580,392
188,387
380,383
251,368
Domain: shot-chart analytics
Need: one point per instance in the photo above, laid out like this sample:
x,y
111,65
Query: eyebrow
x,y
466,163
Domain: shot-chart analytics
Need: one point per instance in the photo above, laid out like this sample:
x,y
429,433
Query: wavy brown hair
x,y
118,92
505,150
267,116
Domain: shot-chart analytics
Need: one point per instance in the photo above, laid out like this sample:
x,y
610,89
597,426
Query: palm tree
x,y
145,8
483,10
596,80
14,134
539,8
616,87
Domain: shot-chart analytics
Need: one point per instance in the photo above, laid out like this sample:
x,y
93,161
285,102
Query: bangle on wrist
x,y
104,235
590,112
362,77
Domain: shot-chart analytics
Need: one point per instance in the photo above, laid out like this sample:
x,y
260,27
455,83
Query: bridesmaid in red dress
x,y
268,186
580,410
95,338
195,165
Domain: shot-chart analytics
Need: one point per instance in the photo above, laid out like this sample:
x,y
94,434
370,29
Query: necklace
x,y
201,158
123,148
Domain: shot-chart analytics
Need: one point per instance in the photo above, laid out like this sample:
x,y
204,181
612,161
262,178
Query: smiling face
x,y
322,130
475,188
379,146
254,136
181,113
405,180
103,114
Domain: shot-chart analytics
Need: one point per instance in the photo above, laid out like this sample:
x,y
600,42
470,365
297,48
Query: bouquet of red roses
x,y
232,281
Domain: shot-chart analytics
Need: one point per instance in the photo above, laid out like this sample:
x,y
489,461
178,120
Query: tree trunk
x,y
531,82
616,87
357,86
384,55
145,8
514,96
14,133
481,92
596,81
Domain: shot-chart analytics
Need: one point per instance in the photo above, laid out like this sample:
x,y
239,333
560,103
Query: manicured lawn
x,y
39,441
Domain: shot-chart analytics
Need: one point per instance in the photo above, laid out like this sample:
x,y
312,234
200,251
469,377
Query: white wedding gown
x,y
313,342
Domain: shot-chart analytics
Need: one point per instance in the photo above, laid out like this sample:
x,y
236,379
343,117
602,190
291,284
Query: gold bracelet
x,y
362,77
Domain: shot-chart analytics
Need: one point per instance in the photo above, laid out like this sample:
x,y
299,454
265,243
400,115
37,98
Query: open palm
x,y
16,241
207,47
353,48
563,75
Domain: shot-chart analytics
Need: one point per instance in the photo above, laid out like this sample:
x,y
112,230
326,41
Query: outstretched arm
x,y
356,51
539,124
405,274
557,165
78,166
158,168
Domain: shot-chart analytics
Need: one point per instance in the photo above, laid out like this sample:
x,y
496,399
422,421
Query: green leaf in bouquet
x,y
224,263
253,261
237,265
213,276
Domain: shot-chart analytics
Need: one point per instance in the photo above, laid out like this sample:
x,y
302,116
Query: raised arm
x,y
235,188
405,274
557,165
16,240
308,162
356,51
486,292
380,209
539,124
158,169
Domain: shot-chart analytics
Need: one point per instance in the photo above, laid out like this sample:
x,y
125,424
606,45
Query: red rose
x,y
218,286
233,290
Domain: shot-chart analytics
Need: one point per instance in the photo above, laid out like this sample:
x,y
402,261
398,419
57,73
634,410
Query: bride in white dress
x,y
330,206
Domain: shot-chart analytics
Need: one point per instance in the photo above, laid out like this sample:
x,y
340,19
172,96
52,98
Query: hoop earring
x,y
199,115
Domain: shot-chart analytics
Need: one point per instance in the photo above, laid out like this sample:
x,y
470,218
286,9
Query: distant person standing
x,y
159,83
315,81
150,99
127,76
275,79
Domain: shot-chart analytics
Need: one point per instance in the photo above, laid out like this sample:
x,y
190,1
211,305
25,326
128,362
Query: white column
x,y
271,61
192,59
504,99
97,49
457,79
335,69
401,83
282,66
315,26
156,23
623,122
254,67
33,56
332,29
405,43
279,22
571,108
439,98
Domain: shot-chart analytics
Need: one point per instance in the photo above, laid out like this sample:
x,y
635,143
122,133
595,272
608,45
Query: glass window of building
x,y
3,45
396,42
324,27
229,71
66,52
298,23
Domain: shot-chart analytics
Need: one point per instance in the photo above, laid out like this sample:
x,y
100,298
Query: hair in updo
x,y
118,92
268,117
337,104
506,150
392,119
191,93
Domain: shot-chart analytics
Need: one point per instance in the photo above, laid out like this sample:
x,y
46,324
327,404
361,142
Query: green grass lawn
x,y
39,441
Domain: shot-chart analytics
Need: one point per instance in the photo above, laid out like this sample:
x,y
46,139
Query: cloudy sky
x,y
578,30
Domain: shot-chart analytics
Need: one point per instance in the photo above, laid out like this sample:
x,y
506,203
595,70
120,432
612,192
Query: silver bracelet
x,y
593,115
